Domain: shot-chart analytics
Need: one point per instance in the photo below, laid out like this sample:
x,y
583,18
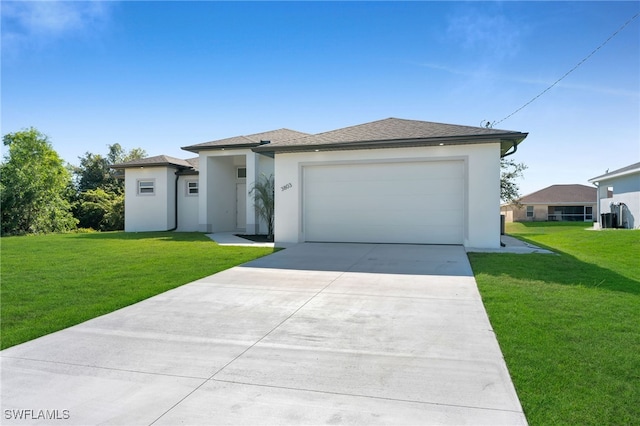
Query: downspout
x,y
598,218
175,202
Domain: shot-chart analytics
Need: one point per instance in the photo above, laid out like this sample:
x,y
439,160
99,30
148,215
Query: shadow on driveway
x,y
400,259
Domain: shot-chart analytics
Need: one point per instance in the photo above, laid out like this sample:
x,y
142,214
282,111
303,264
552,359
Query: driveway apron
x,y
315,334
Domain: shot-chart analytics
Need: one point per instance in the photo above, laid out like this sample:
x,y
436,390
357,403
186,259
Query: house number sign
x,y
287,186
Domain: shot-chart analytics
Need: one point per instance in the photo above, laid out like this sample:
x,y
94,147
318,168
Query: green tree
x,y
34,186
101,210
99,200
264,200
95,170
93,173
509,172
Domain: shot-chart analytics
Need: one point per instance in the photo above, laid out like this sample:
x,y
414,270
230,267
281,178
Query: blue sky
x,y
161,75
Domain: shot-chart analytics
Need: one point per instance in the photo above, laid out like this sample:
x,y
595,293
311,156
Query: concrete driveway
x,y
314,334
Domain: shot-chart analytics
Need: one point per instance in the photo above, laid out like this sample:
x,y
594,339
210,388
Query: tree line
x,y
39,193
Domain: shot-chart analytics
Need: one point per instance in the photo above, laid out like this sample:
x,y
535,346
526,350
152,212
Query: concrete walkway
x,y
231,239
315,334
511,245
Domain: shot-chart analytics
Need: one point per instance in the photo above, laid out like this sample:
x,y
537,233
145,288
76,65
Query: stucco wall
x,y
221,193
519,214
149,212
187,205
482,204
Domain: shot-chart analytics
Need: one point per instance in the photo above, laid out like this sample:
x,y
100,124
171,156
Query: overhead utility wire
x,y
567,73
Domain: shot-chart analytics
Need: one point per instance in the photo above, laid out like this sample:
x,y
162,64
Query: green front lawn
x,y
50,282
569,324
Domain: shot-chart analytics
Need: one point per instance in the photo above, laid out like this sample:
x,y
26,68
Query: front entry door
x,y
241,205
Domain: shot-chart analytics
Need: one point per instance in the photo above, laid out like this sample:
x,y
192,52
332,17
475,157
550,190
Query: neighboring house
x,y
554,203
388,181
619,195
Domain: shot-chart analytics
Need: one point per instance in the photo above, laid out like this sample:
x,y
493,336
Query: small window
x,y
529,211
242,172
192,187
588,213
146,187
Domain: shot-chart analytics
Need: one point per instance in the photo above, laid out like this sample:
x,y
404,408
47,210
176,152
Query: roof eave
x,y
511,138
198,148
142,165
610,176
555,203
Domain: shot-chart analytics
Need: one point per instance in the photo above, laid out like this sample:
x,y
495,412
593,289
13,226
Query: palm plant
x,y
263,193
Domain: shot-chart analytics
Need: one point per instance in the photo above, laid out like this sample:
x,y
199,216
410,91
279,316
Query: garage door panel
x,y
409,202
358,218
384,190
396,234
354,171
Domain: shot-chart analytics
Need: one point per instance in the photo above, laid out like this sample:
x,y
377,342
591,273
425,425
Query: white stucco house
x,y
208,193
161,193
619,195
388,181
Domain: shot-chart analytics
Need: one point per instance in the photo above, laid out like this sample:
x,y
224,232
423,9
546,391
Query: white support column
x,y
203,196
252,176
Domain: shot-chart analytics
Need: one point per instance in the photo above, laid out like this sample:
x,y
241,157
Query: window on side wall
x,y
146,186
192,187
529,211
242,173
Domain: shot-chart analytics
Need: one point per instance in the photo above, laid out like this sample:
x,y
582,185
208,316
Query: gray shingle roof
x,y
562,194
158,160
392,132
195,162
623,170
247,141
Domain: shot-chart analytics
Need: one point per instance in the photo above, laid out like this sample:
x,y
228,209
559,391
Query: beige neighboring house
x,y
554,203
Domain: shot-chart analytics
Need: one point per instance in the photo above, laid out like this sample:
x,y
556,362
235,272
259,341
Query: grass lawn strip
x,y
568,324
50,282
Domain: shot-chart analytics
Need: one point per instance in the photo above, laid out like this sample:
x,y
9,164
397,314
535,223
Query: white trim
x,y
188,188
152,187
613,175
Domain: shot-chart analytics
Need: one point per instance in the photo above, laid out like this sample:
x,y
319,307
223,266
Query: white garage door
x,y
400,202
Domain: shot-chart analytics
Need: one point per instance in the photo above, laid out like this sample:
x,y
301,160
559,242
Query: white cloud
x,y
485,32
28,22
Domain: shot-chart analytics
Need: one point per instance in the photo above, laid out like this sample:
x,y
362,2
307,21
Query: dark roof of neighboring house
x,y
395,132
160,161
562,194
248,141
623,171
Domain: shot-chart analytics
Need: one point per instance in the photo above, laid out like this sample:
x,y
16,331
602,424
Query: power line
x,y
489,124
